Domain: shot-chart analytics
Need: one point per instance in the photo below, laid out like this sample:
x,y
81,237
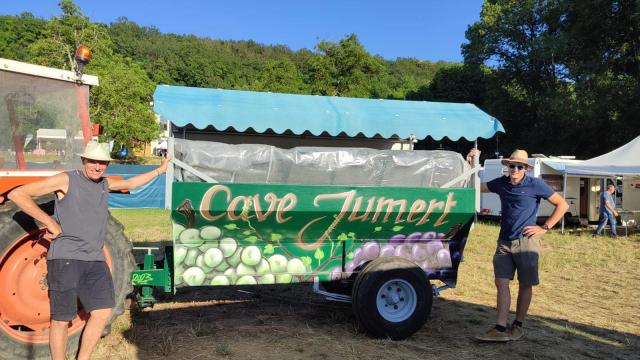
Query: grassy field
x,y
587,306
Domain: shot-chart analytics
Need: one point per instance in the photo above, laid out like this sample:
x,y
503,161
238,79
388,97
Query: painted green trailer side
x,y
247,234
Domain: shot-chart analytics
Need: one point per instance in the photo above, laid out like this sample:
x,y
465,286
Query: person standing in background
x,y
608,211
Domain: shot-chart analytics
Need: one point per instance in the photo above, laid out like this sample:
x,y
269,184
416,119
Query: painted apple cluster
x,y
203,256
428,250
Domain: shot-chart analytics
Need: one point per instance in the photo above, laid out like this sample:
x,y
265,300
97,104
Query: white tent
x,y
624,160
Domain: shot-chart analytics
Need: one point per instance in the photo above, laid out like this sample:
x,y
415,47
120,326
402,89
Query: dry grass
x,y
591,281
586,307
145,225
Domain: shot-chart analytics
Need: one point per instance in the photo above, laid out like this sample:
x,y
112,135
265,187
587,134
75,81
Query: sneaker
x,y
515,332
493,335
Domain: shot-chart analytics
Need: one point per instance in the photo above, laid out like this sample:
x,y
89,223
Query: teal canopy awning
x,y
261,111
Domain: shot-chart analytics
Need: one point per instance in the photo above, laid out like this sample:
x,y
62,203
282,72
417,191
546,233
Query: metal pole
x,y
169,175
476,178
564,196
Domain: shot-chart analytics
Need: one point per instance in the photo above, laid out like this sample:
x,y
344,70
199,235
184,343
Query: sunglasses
x,y
519,167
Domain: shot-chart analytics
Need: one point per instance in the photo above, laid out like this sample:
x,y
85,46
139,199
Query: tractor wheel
x,y
391,298
24,300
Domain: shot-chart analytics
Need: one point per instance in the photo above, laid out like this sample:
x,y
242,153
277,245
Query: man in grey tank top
x,y
75,261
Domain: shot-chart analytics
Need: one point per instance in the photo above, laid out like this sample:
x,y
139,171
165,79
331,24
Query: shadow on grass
x,y
292,322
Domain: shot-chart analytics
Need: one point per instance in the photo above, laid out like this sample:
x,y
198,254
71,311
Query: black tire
x,y
122,264
14,224
354,291
414,299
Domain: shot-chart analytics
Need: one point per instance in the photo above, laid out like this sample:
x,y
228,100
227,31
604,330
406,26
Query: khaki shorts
x,y
522,255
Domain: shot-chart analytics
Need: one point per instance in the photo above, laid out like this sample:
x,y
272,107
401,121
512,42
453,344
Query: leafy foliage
x,y
559,66
544,68
121,102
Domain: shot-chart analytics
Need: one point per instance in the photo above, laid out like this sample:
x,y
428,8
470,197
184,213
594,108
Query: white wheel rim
x,y
396,300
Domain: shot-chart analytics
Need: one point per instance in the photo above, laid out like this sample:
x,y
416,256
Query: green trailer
x,y
319,199
387,249
392,242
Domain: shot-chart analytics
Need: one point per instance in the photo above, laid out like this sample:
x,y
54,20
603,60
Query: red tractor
x,y
44,124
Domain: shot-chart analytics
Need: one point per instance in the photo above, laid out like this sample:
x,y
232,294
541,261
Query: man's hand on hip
x,y
53,230
533,230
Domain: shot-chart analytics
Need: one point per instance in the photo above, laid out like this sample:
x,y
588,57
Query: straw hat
x,y
96,151
517,157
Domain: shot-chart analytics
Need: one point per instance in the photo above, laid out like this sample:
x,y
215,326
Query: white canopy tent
x,y
623,161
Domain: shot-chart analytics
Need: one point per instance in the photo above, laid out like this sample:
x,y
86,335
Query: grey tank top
x,y
83,214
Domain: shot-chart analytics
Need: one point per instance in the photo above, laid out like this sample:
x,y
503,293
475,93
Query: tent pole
x,y
476,179
564,196
168,187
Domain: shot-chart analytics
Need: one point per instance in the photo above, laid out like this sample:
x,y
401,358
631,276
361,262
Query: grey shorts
x,y
522,255
73,280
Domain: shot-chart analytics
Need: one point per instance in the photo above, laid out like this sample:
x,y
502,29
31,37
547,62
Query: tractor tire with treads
x,y
24,305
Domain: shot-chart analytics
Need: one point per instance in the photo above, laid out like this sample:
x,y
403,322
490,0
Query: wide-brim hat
x,y
96,151
517,157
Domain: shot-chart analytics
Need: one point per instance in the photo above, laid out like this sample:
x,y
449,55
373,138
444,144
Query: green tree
x,y
279,76
345,69
521,38
602,54
559,66
17,33
456,83
121,102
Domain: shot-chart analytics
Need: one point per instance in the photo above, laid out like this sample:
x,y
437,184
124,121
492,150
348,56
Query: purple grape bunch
x,y
425,249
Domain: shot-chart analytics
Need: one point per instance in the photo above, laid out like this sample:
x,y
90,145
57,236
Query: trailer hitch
x,y
148,276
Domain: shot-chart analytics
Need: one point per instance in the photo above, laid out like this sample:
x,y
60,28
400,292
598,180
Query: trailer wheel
x,y
24,302
391,298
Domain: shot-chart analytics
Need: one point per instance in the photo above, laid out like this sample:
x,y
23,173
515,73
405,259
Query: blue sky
x,y
423,29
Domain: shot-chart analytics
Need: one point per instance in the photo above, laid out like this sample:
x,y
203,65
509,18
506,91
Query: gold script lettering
x,y
447,209
271,198
288,202
433,204
356,207
231,210
207,199
418,206
346,204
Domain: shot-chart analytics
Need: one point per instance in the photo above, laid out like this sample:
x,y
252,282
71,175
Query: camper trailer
x,y
549,169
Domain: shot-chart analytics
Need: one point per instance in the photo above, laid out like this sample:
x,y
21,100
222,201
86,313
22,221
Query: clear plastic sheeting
x,y
40,126
254,163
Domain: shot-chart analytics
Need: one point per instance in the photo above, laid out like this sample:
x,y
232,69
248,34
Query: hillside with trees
x,y
563,76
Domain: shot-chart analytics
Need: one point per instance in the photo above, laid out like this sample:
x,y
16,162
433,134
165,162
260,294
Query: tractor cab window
x,y
40,122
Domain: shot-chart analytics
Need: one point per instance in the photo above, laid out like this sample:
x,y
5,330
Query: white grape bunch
x,y
206,256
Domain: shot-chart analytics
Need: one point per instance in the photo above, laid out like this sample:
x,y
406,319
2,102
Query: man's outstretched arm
x,y
139,180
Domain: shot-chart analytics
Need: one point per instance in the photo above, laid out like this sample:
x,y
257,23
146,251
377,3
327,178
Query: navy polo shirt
x,y
519,203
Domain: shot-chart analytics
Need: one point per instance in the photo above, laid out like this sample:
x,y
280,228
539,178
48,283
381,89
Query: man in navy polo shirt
x,y
519,240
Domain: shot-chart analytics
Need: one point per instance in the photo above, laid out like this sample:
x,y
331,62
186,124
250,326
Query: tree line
x,y
563,76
